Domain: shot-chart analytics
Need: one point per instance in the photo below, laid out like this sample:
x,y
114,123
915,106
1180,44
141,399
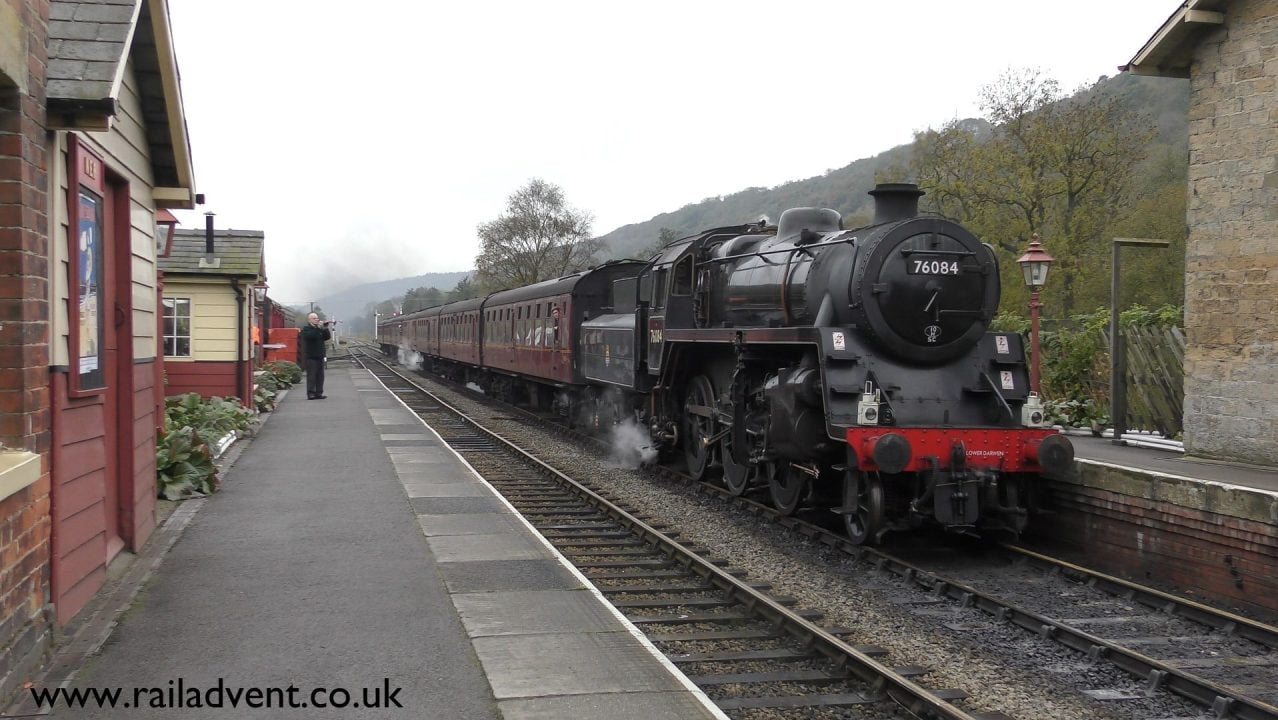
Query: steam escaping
x,y
410,359
631,446
475,387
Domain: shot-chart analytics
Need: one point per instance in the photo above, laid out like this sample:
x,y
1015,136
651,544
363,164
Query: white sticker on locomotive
x,y
932,332
839,342
1000,344
1005,377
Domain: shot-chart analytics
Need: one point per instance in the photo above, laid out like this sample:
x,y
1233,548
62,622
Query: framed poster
x,y
86,200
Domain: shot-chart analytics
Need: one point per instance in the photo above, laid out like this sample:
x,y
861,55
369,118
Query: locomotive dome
x,y
795,220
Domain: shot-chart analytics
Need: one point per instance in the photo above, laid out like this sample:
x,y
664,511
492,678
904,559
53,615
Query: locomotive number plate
x,y
931,266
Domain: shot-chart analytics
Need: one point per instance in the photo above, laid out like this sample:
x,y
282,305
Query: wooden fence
x,y
1155,378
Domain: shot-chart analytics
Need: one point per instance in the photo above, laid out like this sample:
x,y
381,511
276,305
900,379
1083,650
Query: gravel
x,y
1002,668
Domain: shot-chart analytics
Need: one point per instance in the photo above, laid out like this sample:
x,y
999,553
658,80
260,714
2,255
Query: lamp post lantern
x,y
1034,264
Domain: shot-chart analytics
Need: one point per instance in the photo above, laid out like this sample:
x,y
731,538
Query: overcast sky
x,y
369,144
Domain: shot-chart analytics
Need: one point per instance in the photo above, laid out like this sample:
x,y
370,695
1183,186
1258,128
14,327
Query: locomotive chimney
x,y
895,201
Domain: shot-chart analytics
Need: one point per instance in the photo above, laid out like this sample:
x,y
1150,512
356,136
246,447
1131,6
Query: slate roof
x,y
90,44
88,40
239,253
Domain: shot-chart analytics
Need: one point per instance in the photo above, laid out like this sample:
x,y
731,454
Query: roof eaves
x,y
182,196
1169,52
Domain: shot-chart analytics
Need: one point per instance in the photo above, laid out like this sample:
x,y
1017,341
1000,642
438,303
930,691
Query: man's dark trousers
x,y
314,377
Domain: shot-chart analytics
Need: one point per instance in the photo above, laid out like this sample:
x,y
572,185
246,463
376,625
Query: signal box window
x,y
177,327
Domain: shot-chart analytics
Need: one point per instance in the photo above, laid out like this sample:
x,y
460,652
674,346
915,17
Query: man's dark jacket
x,y
312,341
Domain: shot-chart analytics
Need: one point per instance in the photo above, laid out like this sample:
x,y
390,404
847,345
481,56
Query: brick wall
x,y
24,351
1231,293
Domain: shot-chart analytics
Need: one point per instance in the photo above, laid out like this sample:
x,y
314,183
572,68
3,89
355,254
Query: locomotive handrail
x,y
795,248
960,253
998,394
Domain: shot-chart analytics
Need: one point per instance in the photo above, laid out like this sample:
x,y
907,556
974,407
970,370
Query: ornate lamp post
x,y
1034,264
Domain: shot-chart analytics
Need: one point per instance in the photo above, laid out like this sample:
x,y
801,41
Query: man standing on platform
x,y
313,340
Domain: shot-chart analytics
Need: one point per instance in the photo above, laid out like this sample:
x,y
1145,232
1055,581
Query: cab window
x,y
682,281
659,289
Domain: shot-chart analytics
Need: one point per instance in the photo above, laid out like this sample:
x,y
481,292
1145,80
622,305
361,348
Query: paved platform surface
x,y
1174,463
351,549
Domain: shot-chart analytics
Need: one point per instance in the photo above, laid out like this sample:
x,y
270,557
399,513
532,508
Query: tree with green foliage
x,y
1061,167
465,290
421,298
665,236
539,236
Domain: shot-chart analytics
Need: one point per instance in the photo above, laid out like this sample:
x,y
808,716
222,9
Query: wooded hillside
x,y
1153,205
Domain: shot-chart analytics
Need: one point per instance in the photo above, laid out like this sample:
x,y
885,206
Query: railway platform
x,y
1200,526
351,551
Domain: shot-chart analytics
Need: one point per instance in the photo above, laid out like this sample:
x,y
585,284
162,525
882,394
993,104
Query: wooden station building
x,y
210,307
93,147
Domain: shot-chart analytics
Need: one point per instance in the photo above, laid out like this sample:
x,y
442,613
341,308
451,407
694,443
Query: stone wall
x,y
1231,283
1209,541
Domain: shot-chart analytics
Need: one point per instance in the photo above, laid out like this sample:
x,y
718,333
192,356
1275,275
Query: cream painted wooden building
x,y
208,311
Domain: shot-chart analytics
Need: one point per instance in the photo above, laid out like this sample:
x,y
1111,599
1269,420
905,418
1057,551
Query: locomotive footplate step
x,y
547,641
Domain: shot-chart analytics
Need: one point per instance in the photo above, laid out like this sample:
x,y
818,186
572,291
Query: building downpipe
x,y
239,339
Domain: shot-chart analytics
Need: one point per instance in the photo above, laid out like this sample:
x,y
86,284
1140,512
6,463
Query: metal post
x,y
1117,347
1117,369
1034,306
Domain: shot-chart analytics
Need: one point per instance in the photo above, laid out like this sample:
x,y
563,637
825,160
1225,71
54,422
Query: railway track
x,y
747,649
1225,663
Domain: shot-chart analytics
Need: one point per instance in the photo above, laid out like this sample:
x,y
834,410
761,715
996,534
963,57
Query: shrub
x,y
212,419
184,465
284,370
264,394
1076,360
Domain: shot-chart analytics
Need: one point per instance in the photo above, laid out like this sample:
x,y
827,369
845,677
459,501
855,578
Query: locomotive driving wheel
x,y
862,506
698,425
737,477
786,485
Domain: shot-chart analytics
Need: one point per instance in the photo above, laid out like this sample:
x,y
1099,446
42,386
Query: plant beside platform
x,y
270,380
184,448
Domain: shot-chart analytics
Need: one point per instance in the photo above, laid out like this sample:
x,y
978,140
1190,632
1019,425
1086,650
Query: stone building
x,y
1229,51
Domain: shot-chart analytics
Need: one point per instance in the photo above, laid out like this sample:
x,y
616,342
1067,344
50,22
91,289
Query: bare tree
x,y
539,237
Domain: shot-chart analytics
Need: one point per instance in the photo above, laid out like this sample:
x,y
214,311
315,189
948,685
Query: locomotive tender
x,y
848,368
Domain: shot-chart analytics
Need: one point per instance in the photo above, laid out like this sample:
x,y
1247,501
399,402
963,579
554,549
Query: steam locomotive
x,y
844,368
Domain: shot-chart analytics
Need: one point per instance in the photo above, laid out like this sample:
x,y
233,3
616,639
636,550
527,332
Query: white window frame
x,y
190,336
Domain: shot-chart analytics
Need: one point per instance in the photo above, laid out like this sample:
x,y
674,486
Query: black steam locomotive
x,y
846,368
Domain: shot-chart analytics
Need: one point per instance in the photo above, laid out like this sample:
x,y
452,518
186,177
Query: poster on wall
x,y
89,281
